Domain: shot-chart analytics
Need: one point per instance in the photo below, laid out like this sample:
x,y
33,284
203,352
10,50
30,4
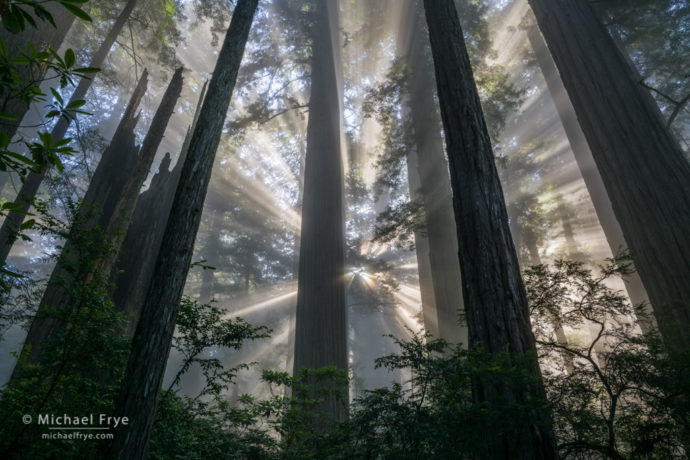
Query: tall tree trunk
x,y
588,169
15,218
153,336
640,162
435,188
421,245
114,196
321,325
210,255
122,151
495,299
42,37
139,251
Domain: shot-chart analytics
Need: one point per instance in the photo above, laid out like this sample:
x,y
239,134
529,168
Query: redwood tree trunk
x,y
421,246
585,162
495,299
139,251
321,326
153,336
15,218
640,162
112,193
435,189
120,153
126,202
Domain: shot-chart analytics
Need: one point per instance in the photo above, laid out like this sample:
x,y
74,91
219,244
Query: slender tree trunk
x,y
435,188
153,336
210,254
640,162
421,243
139,251
15,218
564,216
588,169
321,326
495,299
42,37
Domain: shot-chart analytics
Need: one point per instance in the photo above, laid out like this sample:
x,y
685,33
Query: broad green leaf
x,y
69,57
87,70
28,224
12,21
57,96
21,60
7,272
76,104
75,10
21,158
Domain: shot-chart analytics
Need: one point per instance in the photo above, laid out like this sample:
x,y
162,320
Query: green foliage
x,y
200,328
617,394
206,424
79,367
14,86
16,13
396,224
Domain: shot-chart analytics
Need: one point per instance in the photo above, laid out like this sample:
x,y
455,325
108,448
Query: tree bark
x,y
43,37
15,218
112,193
494,296
435,189
127,199
153,336
588,169
321,325
640,162
139,251
103,189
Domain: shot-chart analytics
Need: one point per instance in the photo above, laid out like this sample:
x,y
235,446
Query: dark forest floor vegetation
x,y
614,394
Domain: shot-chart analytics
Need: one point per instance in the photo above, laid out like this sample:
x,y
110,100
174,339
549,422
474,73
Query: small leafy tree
x,y
618,400
205,423
79,368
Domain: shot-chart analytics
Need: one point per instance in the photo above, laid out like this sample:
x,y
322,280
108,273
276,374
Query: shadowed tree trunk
x,y
122,151
320,320
640,162
435,187
494,296
585,161
154,332
112,193
42,37
137,257
127,200
29,189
